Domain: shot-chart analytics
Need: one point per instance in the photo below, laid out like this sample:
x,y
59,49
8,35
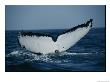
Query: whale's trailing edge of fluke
x,y
46,43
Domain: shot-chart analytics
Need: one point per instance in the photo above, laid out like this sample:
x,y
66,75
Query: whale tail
x,y
45,43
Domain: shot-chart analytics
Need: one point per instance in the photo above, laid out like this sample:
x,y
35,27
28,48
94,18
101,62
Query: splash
x,y
21,56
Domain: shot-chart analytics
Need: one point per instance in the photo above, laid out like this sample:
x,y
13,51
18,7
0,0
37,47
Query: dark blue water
x,y
88,55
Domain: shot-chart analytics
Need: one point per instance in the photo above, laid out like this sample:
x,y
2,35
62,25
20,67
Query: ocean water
x,y
88,55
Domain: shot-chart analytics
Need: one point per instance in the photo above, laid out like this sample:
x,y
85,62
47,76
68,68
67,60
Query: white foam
x,y
22,56
28,56
79,53
14,52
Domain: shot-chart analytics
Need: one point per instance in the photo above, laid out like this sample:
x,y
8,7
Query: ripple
x,y
21,56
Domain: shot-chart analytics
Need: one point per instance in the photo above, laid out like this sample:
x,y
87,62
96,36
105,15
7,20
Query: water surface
x,y
88,55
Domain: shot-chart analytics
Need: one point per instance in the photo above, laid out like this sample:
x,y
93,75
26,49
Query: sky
x,y
30,17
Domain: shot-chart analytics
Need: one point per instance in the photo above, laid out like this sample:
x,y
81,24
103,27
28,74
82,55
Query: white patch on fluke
x,y
45,44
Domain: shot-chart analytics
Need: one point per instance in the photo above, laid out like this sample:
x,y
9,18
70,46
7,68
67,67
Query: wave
x,y
71,53
21,56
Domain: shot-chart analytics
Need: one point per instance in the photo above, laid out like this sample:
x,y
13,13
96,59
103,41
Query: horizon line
x,y
44,29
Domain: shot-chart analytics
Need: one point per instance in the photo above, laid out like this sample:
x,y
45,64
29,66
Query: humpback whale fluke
x,y
46,43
